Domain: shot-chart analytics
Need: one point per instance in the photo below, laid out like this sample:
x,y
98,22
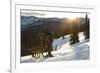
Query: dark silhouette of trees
x,y
86,27
48,40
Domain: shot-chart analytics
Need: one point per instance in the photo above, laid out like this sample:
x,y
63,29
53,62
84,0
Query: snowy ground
x,y
63,51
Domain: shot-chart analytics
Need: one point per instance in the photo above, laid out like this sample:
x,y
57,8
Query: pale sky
x,y
44,14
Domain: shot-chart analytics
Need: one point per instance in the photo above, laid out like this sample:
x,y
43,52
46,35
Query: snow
x,y
63,51
58,43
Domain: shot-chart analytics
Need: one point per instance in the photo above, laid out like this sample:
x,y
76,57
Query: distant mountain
x,y
35,23
30,21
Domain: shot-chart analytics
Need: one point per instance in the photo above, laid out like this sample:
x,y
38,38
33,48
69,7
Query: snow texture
x,y
63,51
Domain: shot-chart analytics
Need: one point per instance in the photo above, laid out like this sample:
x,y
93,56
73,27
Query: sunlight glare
x,y
72,18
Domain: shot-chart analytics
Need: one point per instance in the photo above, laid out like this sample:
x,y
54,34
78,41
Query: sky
x,y
47,14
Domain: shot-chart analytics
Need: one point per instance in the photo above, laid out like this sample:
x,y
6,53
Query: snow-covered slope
x,y
75,52
63,51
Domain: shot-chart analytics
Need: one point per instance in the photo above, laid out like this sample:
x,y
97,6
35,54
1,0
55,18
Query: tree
x,y
48,40
86,27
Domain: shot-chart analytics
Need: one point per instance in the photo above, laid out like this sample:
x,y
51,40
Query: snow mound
x,y
63,51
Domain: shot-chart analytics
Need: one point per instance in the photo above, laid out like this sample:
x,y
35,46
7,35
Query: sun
x,y
72,18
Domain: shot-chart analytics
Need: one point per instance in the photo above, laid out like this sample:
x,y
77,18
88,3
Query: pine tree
x,y
49,40
86,27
